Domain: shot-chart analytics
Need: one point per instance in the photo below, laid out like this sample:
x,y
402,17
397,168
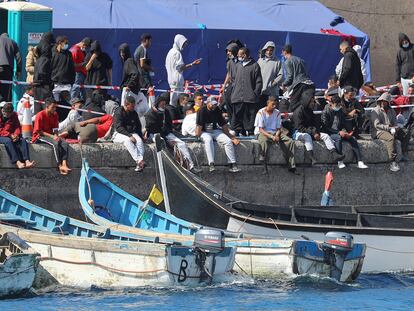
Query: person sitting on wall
x,y
73,115
307,129
10,136
333,123
45,131
209,120
128,131
157,120
384,127
354,111
268,127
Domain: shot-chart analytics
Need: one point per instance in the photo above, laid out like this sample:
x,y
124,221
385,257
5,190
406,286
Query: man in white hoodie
x,y
175,66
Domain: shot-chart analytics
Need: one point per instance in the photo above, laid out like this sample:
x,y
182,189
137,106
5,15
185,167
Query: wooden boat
x,y
18,265
16,211
256,256
389,239
89,261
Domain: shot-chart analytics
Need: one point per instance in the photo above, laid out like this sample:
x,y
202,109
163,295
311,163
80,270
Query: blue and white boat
x,y
75,253
106,204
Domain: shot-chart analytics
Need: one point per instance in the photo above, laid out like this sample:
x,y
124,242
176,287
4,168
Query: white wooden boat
x,y
18,265
85,262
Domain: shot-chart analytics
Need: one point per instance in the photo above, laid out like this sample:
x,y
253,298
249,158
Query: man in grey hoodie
x,y
245,94
404,66
8,52
272,73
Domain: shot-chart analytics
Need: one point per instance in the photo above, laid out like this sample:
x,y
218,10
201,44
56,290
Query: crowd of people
x,y
273,101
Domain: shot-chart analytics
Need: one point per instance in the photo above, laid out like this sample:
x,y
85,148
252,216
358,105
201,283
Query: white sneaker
x,y
362,165
394,167
341,164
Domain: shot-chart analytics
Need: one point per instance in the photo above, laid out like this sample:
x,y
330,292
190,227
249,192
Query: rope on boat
x,y
114,269
100,266
276,226
244,221
389,251
17,272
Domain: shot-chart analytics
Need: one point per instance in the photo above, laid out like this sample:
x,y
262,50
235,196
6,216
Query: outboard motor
x,y
207,241
335,247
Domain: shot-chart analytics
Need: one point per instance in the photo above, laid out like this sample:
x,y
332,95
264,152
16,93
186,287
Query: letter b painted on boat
x,y
182,275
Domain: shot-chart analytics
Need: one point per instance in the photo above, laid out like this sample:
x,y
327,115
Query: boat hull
x,y
17,274
383,252
85,262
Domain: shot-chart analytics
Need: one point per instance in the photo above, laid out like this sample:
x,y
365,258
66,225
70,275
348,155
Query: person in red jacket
x,y
45,130
10,136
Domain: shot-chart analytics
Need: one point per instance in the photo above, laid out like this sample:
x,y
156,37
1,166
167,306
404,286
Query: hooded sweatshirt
x,y
97,74
63,68
43,69
404,67
272,72
174,61
130,73
9,50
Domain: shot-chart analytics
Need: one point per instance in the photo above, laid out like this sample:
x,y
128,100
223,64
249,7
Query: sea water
x,y
383,291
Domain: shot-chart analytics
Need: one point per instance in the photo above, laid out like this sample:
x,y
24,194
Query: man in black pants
x,y
8,52
247,87
297,83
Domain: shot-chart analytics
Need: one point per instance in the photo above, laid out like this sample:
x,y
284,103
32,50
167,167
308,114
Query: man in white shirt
x,y
73,116
268,127
175,66
189,123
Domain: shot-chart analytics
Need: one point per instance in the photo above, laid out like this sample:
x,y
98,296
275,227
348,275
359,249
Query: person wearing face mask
x,y
272,73
63,68
247,87
210,127
11,136
78,54
354,112
384,127
404,66
175,66
158,121
333,123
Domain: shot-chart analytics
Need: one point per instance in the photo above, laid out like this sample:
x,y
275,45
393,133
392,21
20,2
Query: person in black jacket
x,y
307,129
351,74
63,68
42,72
98,65
128,131
131,85
404,66
334,124
158,121
247,88
9,52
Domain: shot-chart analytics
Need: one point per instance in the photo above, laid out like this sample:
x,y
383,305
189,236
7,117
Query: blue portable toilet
x,y
25,22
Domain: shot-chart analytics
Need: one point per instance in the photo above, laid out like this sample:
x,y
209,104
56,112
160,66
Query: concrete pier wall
x,y
376,185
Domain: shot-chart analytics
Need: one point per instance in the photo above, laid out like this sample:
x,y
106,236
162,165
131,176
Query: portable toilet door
x,y
26,22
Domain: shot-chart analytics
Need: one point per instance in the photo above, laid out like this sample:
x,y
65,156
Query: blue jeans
x,y
354,145
17,151
76,91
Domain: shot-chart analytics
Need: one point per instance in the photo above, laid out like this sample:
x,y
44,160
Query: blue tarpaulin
x,y
208,25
